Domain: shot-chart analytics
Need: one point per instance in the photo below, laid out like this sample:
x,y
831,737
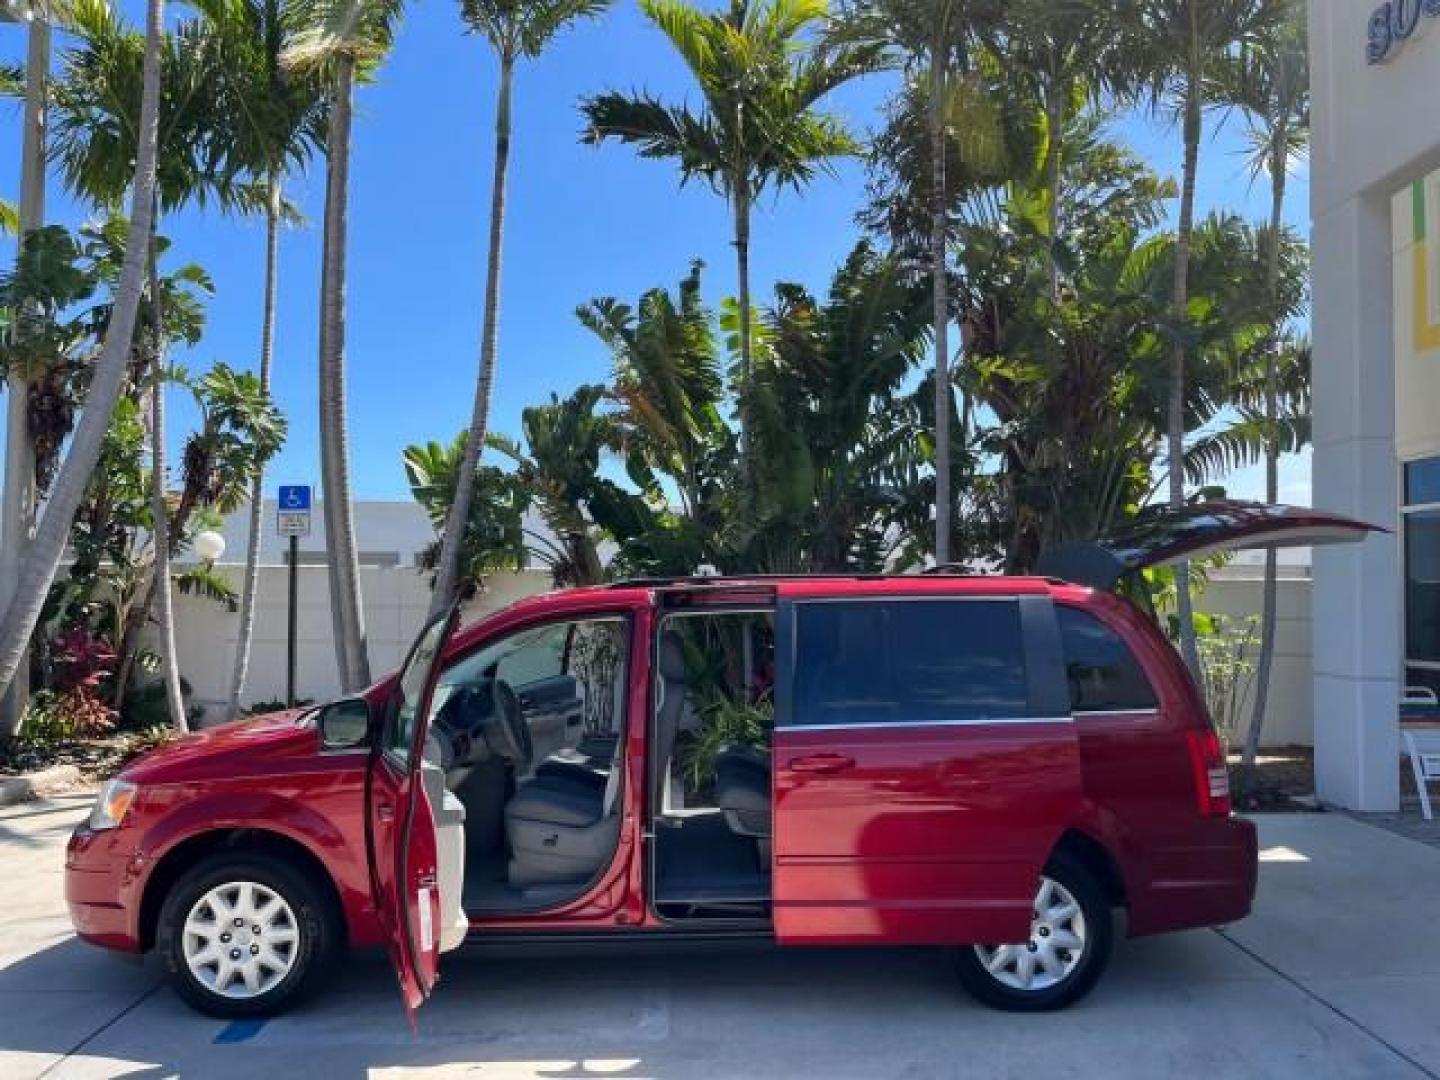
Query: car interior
x,y
525,731
713,715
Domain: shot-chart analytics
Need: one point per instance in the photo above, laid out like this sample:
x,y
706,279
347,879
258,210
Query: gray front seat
x,y
562,832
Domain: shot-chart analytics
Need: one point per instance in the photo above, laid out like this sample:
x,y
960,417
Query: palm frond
x,y
205,581
656,130
1214,455
12,80
322,30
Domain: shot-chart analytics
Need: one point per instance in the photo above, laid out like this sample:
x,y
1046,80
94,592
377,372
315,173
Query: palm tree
x,y
274,120
343,39
515,29
934,42
559,467
1067,50
667,381
760,76
1185,45
95,132
841,362
18,516
495,537
37,569
1270,80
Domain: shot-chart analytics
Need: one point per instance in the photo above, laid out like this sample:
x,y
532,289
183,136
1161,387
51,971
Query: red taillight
x,y
1212,779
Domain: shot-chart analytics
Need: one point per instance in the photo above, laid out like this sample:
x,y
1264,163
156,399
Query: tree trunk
x,y
132,623
447,572
347,611
17,520
251,578
741,200
940,297
1266,659
1176,411
1055,115
42,559
161,585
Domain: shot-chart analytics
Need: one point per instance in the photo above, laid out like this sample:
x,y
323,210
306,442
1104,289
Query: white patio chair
x,y
1422,744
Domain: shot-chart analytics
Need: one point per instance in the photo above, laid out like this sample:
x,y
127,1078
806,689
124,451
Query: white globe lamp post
x,y
209,545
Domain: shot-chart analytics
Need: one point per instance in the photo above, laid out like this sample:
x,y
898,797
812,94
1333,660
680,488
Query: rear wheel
x,y
245,934
1071,933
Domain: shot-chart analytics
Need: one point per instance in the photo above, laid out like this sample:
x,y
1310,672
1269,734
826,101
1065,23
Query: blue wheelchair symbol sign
x,y
295,497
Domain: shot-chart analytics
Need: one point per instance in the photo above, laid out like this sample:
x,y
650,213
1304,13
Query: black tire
x,y
1099,917
317,923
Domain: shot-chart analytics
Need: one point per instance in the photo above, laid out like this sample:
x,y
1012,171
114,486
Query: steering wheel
x,y
456,727
505,727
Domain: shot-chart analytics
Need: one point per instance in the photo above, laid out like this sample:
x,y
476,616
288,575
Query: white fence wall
x,y
396,599
1290,712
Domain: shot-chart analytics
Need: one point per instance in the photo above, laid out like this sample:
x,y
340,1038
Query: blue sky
x,y
582,223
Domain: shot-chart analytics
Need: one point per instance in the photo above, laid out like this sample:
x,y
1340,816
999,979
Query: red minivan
x,y
1010,768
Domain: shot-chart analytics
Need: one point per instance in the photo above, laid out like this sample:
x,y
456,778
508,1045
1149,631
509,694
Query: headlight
x,y
112,804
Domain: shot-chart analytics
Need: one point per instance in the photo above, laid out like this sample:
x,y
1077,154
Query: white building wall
x,y
1375,129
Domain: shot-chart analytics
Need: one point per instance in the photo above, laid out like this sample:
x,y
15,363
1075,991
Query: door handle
x,y
821,763
385,812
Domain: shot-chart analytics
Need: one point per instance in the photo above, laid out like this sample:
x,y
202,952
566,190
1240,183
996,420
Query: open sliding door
x,y
925,764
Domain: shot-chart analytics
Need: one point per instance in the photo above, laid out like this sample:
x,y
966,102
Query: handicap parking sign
x,y
295,497
293,510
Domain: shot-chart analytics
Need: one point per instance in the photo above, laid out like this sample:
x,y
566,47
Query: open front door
x,y
404,842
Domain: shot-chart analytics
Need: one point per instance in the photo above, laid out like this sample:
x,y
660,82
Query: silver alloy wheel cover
x,y
240,939
1054,950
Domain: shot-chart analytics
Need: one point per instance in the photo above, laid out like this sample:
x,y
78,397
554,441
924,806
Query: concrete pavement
x,y
1336,975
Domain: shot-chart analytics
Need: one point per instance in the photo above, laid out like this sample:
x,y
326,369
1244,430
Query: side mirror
x,y
344,725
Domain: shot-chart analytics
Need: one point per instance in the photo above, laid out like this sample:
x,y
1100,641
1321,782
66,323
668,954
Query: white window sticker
x,y
427,922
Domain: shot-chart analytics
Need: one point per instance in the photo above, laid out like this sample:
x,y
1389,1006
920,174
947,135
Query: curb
x,y
58,780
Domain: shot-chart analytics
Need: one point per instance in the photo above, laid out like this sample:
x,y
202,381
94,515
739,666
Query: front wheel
x,y
1071,933
245,934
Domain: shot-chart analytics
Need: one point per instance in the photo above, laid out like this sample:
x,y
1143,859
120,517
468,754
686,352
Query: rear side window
x,y
909,661
1103,674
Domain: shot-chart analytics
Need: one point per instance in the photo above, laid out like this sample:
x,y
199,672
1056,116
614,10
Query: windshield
x,y
400,734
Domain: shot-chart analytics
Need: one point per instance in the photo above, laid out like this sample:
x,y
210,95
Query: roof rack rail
x,y
958,570
744,579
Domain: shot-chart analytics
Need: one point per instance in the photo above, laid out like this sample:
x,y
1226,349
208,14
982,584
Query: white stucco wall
x,y
1236,593
396,597
399,528
396,600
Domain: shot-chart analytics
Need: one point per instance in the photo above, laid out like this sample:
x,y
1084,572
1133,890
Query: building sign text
x,y
1393,23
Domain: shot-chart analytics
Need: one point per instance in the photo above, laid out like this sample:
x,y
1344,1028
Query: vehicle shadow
x,y
743,1011
614,1014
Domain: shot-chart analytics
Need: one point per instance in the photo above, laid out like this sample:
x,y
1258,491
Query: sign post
x,y
292,520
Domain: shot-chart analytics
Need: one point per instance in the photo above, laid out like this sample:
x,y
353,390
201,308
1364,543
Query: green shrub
x,y
61,716
145,706
1227,658
725,721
